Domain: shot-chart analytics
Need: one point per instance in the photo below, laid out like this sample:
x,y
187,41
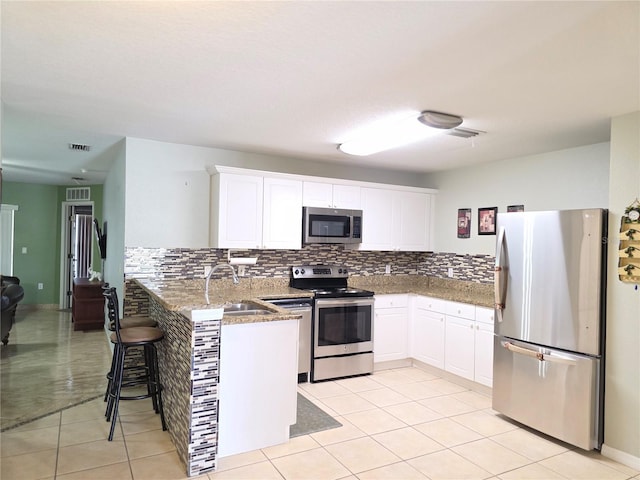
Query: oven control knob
x,y
296,271
302,271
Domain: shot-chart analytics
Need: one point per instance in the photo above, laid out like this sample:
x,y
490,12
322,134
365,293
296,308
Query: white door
x,y
6,238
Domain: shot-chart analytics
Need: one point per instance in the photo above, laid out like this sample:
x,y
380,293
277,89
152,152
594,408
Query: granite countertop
x,y
445,288
188,295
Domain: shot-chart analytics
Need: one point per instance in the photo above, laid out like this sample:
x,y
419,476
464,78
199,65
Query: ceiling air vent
x,y
463,132
78,193
80,147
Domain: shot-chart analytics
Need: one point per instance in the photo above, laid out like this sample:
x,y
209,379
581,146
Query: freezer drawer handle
x,y
548,357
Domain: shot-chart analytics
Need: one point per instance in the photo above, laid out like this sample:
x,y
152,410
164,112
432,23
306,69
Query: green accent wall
x,y
37,227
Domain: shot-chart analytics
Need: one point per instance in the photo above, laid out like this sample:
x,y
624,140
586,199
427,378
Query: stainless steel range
x,y
342,322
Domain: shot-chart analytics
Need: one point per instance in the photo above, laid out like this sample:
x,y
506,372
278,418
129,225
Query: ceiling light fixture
x,y
398,131
443,121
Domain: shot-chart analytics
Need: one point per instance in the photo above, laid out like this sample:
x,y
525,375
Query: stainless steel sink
x,y
248,312
246,308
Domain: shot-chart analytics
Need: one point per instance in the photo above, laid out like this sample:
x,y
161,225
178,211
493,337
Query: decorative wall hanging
x,y
464,222
487,220
629,249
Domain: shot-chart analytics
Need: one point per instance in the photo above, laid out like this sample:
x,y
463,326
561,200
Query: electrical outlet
x,y
24,249
450,272
241,270
40,286
387,269
206,271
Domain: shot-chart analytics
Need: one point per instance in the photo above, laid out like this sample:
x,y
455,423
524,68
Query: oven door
x,y
342,326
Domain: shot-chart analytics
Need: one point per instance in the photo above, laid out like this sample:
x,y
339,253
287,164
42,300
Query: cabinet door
x,y
346,196
377,215
483,364
282,222
427,337
411,221
327,195
390,336
459,346
316,194
236,211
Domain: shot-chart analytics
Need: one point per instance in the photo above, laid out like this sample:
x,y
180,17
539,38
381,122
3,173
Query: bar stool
x,y
125,322
124,339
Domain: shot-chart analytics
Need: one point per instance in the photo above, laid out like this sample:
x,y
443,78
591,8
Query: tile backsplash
x,y
183,263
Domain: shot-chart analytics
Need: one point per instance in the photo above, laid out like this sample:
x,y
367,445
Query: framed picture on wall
x,y
487,220
464,222
515,208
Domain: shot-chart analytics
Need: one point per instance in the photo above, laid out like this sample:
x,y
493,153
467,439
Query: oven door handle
x,y
344,302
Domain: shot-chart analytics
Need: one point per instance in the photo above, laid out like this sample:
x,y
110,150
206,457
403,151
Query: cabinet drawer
x,y
391,301
484,315
462,310
431,304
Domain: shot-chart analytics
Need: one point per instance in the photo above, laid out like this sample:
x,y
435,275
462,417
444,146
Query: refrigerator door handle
x,y
546,357
500,280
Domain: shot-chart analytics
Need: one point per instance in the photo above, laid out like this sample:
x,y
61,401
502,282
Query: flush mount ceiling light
x,y
443,121
398,131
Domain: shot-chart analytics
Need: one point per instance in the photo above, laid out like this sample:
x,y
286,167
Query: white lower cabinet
x,y
458,347
426,342
483,346
390,327
456,337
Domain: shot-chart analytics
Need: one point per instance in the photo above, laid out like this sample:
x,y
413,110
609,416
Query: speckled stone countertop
x,y
447,289
188,295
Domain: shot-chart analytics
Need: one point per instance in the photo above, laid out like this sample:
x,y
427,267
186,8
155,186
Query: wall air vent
x,y
78,193
463,132
79,147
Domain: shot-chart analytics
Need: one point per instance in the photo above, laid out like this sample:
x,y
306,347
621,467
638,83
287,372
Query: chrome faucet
x,y
213,269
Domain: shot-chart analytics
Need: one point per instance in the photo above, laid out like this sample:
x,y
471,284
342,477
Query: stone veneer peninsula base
x,y
216,372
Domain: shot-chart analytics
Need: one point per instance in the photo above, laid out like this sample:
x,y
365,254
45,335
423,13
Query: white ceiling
x,y
296,78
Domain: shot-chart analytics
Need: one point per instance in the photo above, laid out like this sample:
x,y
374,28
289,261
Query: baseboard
x,y
620,457
470,384
389,364
412,362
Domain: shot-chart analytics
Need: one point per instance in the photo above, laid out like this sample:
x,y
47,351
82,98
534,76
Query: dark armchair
x,y
12,294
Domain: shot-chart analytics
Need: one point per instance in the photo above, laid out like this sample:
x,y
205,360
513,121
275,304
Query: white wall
x,y
622,388
113,211
565,179
173,179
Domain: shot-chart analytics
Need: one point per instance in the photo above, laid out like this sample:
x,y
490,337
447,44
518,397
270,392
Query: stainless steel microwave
x,y
331,225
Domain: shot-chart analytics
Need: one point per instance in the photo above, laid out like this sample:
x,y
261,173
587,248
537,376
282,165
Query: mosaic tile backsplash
x,y
182,263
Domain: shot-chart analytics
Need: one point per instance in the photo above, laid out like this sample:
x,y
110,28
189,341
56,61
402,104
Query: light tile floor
x,y
447,432
403,423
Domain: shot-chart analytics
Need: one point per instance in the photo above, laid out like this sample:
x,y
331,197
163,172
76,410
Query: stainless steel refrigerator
x,y
550,281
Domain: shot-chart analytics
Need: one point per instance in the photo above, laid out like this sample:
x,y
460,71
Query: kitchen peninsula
x,y
190,356
198,398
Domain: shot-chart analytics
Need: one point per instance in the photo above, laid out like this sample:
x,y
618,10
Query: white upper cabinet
x,y
395,220
411,221
327,195
377,218
282,220
251,211
236,211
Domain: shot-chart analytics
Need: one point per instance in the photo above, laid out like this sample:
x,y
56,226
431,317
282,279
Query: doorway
x,y
77,248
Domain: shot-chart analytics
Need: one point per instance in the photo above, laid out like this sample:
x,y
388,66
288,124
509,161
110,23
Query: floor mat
x,y
311,419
